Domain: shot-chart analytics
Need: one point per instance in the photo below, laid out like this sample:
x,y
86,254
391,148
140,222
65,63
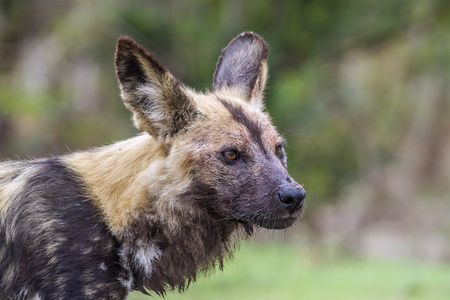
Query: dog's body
x,y
153,211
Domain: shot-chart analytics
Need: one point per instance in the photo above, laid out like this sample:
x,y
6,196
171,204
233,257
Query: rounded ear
x,y
242,68
153,94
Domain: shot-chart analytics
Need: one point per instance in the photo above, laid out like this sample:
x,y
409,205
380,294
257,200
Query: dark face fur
x,y
244,171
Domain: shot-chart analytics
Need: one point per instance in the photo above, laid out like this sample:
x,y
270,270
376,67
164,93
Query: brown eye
x,y
230,155
278,150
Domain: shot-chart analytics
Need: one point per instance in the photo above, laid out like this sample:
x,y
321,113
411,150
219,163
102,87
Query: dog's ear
x,y
242,68
158,100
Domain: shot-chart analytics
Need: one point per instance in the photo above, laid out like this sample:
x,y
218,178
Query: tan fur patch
x,y
122,177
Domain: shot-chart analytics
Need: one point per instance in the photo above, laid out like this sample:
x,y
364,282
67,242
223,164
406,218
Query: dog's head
x,y
222,141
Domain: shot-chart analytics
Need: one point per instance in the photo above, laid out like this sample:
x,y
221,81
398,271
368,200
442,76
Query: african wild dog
x,y
151,212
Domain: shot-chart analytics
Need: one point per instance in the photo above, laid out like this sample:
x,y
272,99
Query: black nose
x,y
292,196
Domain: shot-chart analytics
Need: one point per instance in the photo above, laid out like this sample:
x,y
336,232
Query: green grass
x,y
282,272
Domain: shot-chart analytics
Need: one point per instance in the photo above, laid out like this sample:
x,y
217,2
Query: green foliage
x,y
272,271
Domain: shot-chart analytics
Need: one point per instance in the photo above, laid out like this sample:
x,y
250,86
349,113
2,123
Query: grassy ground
x,y
281,272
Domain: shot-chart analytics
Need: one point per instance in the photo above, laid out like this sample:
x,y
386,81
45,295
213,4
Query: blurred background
x,y
360,89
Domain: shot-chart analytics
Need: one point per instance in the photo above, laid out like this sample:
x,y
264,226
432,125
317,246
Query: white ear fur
x,y
242,68
158,100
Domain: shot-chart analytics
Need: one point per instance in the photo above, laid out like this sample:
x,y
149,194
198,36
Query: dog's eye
x,y
230,155
278,150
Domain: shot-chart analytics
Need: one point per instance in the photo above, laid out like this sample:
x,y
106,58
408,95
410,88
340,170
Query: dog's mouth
x,y
282,223
281,213
274,223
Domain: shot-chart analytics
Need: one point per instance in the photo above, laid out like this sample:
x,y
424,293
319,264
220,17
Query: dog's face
x,y
224,140
238,163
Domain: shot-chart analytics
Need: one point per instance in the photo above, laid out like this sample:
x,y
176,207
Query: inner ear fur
x,y
157,99
242,68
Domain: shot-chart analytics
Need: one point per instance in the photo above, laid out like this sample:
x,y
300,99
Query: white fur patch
x,y
153,94
102,266
148,91
23,294
36,297
125,283
144,256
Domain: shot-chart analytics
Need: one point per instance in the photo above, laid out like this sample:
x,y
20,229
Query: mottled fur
x,y
151,212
